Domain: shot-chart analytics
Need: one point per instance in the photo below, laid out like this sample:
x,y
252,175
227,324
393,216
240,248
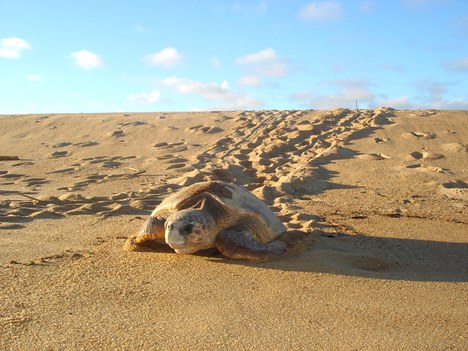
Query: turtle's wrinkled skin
x,y
214,215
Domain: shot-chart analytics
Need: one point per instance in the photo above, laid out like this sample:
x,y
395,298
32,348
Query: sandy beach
x,y
375,202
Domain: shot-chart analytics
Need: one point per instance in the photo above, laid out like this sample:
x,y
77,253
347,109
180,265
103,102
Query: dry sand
x,y
375,202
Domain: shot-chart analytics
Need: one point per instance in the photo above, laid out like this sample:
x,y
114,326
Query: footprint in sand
x,y
110,164
161,144
134,124
164,157
204,129
58,154
176,159
457,190
381,140
423,135
425,155
116,133
86,144
173,147
12,176
33,182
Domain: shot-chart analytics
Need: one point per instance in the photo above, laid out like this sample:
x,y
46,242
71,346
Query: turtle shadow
x,y
370,257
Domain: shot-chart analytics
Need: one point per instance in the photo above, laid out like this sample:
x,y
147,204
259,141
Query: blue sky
x,y
140,55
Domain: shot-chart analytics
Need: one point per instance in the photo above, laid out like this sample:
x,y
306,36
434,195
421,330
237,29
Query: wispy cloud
x,y
366,6
166,58
461,24
264,63
208,91
261,57
322,11
34,77
139,28
146,98
453,104
348,91
432,91
87,59
216,63
249,81
219,92
12,48
460,65
401,102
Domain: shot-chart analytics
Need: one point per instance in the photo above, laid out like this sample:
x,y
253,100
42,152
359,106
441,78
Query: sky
x,y
90,56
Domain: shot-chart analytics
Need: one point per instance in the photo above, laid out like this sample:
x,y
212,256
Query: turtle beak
x,y
173,238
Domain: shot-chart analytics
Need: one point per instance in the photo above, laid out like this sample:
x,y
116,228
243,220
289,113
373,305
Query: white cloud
x,y
34,77
349,90
432,91
216,63
432,94
166,58
209,91
264,63
249,81
273,69
213,92
303,96
139,28
401,102
263,56
240,101
146,98
322,11
460,65
87,59
454,104
12,47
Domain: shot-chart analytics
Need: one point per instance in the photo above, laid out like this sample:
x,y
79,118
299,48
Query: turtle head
x,y
190,230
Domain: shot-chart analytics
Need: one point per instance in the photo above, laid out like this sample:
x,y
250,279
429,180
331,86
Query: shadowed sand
x,y
375,202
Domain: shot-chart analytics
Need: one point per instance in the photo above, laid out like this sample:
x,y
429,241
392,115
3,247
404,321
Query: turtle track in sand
x,y
279,155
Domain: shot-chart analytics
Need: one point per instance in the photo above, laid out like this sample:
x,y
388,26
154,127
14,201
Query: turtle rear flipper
x,y
151,231
238,243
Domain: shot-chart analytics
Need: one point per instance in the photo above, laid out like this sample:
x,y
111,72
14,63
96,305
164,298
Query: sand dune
x,y
375,202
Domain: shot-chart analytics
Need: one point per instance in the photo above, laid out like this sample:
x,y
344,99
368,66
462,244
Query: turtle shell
x,y
233,205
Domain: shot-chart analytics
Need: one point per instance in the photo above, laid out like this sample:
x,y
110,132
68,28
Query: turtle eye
x,y
187,229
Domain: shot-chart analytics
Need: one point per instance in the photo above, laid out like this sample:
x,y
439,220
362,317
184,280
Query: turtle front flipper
x,y
238,243
151,231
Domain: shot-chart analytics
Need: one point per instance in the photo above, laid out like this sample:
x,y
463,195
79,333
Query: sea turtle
x,y
214,214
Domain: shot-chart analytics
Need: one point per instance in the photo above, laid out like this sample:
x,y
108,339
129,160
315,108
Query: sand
x,y
375,202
